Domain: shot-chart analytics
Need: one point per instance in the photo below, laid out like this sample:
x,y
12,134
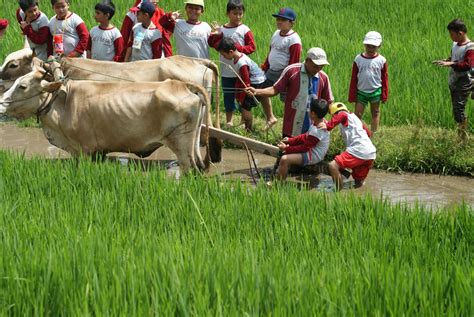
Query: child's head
x,y
194,9
372,42
145,12
30,8
336,107
61,8
235,11
319,108
227,48
285,19
104,11
457,30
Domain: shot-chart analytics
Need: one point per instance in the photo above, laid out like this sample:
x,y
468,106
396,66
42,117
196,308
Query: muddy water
x,y
429,190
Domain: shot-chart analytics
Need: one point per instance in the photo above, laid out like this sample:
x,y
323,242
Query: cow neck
x,y
46,105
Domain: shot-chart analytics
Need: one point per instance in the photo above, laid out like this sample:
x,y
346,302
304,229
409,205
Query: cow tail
x,y
215,143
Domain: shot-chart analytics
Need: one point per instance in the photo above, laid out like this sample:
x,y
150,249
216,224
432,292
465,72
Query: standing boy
x,y
308,148
34,25
69,32
369,82
360,153
461,63
105,41
146,40
191,35
244,42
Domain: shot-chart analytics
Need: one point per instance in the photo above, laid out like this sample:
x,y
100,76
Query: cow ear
x,y
51,87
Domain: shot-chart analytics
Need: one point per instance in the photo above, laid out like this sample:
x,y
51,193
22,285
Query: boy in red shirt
x,y
34,25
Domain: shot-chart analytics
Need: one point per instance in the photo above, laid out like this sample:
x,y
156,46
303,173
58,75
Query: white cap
x,y
196,2
373,38
317,55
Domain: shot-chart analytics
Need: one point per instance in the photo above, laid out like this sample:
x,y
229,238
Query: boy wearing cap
x,y
105,40
461,73
191,35
369,82
360,152
34,25
3,26
131,19
302,82
146,41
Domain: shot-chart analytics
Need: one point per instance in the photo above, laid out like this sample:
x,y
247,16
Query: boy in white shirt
x,y
105,41
34,25
369,82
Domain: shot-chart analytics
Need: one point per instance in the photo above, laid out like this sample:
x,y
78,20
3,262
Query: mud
x,y
429,190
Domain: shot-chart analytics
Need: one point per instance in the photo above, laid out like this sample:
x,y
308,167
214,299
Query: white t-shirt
x,y
151,34
238,35
318,152
67,27
41,50
279,56
191,39
357,141
103,43
369,77
257,76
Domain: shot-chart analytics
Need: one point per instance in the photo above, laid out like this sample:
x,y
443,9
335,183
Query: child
x,y
360,153
369,82
244,42
105,41
131,19
461,63
191,35
70,35
250,74
3,26
309,148
34,25
146,40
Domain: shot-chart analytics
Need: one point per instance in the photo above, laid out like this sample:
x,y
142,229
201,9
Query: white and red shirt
x,y
37,33
369,73
151,46
284,50
355,135
463,55
250,73
244,43
315,143
191,38
105,44
74,31
289,82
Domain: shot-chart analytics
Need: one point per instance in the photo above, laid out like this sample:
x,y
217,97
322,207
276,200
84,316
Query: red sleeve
x,y
266,65
340,117
385,83
18,16
157,48
296,140
214,40
130,41
81,30
167,48
295,54
39,37
167,22
245,75
249,46
3,24
89,45
369,133
126,29
324,89
467,63
309,143
353,85
283,81
119,48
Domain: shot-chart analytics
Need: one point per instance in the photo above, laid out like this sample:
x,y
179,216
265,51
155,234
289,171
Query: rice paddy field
x,y
81,238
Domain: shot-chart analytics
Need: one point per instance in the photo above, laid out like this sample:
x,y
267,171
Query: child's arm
x,y
245,75
467,63
126,28
384,83
214,40
309,142
157,48
81,30
339,118
297,140
353,84
295,53
266,65
249,47
89,47
168,21
128,52
366,128
119,46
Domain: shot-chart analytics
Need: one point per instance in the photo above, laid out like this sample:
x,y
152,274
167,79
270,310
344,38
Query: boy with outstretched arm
x,y
308,148
34,25
105,41
360,152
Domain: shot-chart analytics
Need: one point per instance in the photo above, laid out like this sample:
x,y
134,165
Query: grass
x,y
414,35
99,239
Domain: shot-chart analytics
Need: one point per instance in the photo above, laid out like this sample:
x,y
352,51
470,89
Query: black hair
x,y
457,25
26,4
106,7
235,4
320,107
226,45
53,2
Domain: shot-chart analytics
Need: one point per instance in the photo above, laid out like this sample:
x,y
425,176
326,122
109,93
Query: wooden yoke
x,y
57,72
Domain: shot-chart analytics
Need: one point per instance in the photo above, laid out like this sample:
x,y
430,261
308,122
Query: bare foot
x,y
270,124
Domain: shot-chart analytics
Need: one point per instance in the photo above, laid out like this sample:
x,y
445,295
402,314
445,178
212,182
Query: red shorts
x,y
360,168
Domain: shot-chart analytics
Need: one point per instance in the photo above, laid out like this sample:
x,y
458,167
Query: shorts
x,y
369,97
360,168
272,77
249,102
228,88
309,159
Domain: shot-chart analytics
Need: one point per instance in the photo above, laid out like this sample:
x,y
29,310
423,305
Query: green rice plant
x,y
80,238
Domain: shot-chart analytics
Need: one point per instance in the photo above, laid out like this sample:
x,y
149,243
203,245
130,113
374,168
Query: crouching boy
x,y
308,148
360,152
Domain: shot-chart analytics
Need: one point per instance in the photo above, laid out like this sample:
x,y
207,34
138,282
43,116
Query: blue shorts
x,y
228,87
307,161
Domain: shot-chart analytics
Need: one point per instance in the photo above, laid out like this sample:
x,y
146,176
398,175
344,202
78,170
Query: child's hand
x,y
23,24
215,28
282,146
284,140
322,126
175,15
